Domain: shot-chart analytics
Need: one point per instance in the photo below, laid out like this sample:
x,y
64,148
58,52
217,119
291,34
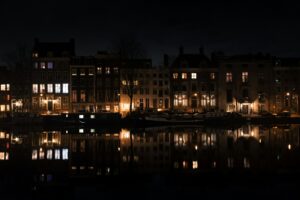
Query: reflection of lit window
x,y
65,154
195,164
184,75
65,88
42,154
57,88
107,70
194,75
228,77
49,154
35,88
34,154
57,154
244,77
43,65
184,164
246,163
50,65
49,88
230,162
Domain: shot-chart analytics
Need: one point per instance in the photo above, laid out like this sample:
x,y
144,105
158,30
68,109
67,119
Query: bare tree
x,y
130,51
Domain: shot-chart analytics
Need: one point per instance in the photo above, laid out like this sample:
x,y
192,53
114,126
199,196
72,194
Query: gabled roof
x,y
191,61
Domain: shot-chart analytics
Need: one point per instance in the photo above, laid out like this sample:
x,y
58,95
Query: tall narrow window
x,y
175,75
65,88
74,96
50,65
57,88
43,65
50,88
184,75
194,75
42,88
35,88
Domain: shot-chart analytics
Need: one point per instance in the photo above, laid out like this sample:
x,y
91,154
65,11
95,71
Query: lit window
x,y
244,77
194,75
2,108
212,76
136,82
2,87
7,108
49,154
50,88
124,82
228,77
81,130
35,65
57,154
92,116
2,155
42,154
184,75
65,154
7,87
175,75
35,88
116,70
92,130
107,70
81,116
50,65
42,88
65,88
34,154
57,88
43,65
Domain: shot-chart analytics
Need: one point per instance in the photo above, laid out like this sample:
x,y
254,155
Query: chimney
x,y
181,50
166,60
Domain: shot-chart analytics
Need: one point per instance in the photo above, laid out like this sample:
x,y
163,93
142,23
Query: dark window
x,y
229,96
245,93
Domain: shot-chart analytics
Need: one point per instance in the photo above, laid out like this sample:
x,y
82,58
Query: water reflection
x,y
48,155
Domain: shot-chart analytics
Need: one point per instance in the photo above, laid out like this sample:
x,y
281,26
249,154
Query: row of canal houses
x,y
58,81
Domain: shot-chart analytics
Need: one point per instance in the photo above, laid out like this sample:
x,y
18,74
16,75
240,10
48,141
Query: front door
x,y
50,105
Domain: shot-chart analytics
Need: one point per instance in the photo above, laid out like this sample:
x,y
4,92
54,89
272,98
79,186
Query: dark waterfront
x,y
157,162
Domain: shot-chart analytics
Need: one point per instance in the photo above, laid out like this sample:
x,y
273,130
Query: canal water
x,y
177,162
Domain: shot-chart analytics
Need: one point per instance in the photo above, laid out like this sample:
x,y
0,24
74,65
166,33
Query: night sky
x,y
161,26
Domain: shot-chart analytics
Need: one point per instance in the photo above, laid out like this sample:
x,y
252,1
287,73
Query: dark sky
x,y
161,26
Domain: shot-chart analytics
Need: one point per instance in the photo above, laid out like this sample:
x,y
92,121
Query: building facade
x,y
193,82
245,83
5,92
50,77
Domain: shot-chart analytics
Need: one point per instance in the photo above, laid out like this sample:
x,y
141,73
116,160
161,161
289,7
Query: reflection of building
x,y
50,76
5,94
244,83
193,82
